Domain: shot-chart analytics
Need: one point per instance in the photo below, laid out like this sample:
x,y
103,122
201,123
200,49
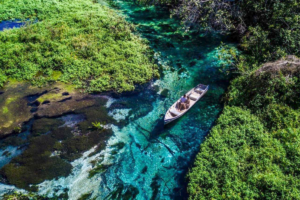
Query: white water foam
x,y
119,114
78,182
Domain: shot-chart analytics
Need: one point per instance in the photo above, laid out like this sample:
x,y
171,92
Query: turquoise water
x,y
156,158
153,161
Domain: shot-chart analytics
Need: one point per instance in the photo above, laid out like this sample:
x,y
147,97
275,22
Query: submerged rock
x,y
164,93
20,102
45,125
13,107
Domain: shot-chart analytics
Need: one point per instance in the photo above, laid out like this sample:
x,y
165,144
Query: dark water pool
x,y
11,24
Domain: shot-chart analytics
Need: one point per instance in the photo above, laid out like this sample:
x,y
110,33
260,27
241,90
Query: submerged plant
x,y
98,125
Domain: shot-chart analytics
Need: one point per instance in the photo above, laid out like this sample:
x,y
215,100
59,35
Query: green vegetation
x,y
49,155
98,169
78,42
266,30
85,196
252,152
13,107
35,165
32,196
97,125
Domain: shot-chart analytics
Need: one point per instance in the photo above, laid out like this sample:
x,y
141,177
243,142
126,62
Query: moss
x,y
58,146
62,133
118,145
85,196
125,192
12,141
56,94
56,75
13,114
98,169
4,110
34,165
10,100
44,125
13,106
95,113
73,147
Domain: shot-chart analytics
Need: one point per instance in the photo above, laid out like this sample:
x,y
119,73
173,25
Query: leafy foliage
x,y
253,151
75,41
97,125
267,30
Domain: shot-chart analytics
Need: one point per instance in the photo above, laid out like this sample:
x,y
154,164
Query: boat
x,y
193,95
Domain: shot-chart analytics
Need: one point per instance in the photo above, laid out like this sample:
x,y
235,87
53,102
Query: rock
x,y
42,126
13,107
57,108
155,88
287,66
164,93
19,102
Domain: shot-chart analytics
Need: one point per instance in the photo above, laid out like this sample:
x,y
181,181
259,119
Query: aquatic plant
x,y
98,169
77,42
98,125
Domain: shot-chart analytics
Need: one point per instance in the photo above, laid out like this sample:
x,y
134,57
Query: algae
x,y
85,196
35,164
98,169
44,125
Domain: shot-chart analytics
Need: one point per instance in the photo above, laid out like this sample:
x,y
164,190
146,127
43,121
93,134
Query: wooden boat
x,y
193,95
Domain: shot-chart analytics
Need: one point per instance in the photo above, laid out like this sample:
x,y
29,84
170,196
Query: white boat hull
x,y
169,116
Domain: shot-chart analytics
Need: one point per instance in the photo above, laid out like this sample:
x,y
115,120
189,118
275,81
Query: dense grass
x,y
253,151
78,42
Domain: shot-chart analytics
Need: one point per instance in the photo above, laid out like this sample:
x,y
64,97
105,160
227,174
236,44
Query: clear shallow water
x,y
155,159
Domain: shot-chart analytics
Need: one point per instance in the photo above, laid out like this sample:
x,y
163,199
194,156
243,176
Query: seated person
x,y
183,102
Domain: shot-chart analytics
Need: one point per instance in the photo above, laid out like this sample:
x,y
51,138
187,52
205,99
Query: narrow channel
x,y
152,160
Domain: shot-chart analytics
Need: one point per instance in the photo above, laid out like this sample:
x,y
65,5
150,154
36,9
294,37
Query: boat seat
x,y
199,90
174,111
194,97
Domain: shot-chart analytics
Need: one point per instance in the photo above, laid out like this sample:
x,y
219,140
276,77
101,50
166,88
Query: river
x,y
153,161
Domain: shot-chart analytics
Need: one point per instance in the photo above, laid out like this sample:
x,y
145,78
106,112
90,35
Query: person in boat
x,y
183,102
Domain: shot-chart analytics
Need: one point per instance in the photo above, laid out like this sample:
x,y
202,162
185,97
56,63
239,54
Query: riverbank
x,y
77,42
252,152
